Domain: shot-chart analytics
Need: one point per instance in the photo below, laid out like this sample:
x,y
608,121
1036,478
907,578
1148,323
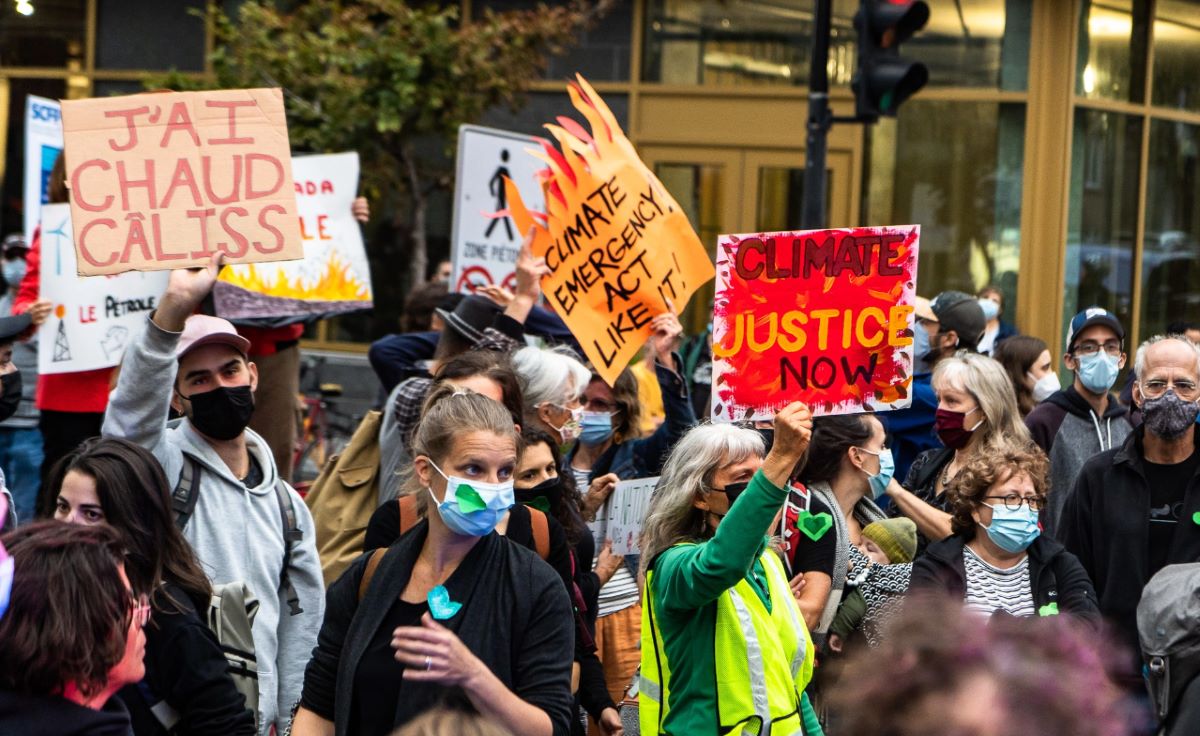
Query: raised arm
x,y
691,576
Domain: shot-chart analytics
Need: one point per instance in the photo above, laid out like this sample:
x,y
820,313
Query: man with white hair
x,y
1136,508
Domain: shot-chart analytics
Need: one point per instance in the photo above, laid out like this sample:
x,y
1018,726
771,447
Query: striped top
x,y
621,591
991,589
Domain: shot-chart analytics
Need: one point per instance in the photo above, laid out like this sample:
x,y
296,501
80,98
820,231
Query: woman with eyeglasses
x,y
997,559
724,647
977,414
187,690
72,634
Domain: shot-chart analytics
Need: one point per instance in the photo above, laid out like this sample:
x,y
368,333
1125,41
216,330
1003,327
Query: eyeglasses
x,y
1013,502
140,608
1087,347
1155,388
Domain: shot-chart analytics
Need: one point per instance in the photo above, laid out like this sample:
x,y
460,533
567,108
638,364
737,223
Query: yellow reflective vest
x,y
764,660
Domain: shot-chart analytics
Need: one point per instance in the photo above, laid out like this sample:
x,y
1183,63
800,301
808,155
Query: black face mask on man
x,y
223,412
10,394
1169,416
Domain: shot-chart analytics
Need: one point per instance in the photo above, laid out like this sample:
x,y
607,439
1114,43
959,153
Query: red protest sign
x,y
161,181
820,316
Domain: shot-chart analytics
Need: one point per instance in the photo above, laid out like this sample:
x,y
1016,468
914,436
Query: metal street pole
x,y
819,120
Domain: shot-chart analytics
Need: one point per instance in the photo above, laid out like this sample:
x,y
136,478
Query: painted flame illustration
x,y
584,162
336,283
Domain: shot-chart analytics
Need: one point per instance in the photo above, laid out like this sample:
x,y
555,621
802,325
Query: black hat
x,y
961,313
10,327
16,241
1093,316
471,317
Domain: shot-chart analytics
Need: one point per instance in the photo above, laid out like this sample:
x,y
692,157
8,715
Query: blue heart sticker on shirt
x,y
440,605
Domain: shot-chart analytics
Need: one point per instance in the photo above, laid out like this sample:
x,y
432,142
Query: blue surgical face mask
x,y
920,349
14,271
991,310
1013,531
472,508
595,427
1098,372
887,467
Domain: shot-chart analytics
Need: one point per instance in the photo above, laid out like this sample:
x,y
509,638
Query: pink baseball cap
x,y
202,329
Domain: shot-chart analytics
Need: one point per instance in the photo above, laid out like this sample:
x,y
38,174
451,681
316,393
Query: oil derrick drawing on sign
x,y
62,349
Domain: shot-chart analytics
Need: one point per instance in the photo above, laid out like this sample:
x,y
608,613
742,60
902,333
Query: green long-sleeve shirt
x,y
687,580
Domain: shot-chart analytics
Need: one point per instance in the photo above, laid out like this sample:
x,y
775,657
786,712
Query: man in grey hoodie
x,y
197,365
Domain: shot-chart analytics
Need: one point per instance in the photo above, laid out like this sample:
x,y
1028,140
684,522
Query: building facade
x,y
1054,153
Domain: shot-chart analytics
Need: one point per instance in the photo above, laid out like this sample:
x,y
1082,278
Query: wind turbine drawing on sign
x,y
61,233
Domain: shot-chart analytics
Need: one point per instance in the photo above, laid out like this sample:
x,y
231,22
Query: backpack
x,y
232,608
343,497
1168,622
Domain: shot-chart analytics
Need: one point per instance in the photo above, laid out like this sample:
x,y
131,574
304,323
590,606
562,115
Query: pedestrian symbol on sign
x,y
496,189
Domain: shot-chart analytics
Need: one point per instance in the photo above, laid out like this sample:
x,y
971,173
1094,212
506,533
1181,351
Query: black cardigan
x,y
1054,575
515,617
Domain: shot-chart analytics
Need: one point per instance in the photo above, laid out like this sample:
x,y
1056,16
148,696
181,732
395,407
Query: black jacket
x,y
1054,574
515,617
50,715
1106,524
186,668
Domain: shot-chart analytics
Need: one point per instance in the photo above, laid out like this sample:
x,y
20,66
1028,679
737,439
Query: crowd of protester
x,y
972,564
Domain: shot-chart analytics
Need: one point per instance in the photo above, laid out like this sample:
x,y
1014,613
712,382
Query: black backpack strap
x,y
291,535
183,498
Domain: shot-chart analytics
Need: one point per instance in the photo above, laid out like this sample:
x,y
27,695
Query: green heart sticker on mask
x,y
541,503
1050,609
814,526
469,499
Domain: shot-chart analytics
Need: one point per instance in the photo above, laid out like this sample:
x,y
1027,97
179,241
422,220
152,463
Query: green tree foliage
x,y
390,80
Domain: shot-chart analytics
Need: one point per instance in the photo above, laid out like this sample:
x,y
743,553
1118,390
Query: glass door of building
x,y
732,190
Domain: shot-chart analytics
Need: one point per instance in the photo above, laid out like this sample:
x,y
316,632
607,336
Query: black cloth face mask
x,y
10,398
544,497
223,412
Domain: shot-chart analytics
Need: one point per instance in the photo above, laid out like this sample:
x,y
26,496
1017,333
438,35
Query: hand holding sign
x,y
666,337
186,288
530,270
793,430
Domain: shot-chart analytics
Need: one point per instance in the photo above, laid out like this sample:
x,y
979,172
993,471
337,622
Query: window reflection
x,y
52,36
1177,54
781,198
967,43
954,168
1113,37
1103,214
1171,249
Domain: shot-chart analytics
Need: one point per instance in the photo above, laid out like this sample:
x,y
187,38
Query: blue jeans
x,y
21,460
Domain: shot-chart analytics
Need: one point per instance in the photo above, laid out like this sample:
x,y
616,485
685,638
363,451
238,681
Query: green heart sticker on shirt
x,y
1050,609
469,499
1196,518
814,526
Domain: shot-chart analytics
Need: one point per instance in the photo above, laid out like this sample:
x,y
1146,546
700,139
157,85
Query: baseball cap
x,y
922,309
203,329
1093,316
10,327
16,241
961,313
471,316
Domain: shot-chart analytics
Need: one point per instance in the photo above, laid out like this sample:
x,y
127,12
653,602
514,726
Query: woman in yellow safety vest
x,y
724,646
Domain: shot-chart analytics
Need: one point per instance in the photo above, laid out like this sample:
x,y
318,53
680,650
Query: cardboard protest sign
x,y
618,246
43,143
820,316
162,181
627,510
334,277
484,245
93,318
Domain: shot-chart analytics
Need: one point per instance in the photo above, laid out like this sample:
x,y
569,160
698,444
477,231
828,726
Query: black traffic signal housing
x,y
883,80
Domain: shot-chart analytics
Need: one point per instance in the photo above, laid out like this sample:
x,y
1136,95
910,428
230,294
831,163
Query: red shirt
x,y
83,392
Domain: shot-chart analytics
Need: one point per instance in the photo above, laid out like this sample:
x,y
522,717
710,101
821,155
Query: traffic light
x,y
883,79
